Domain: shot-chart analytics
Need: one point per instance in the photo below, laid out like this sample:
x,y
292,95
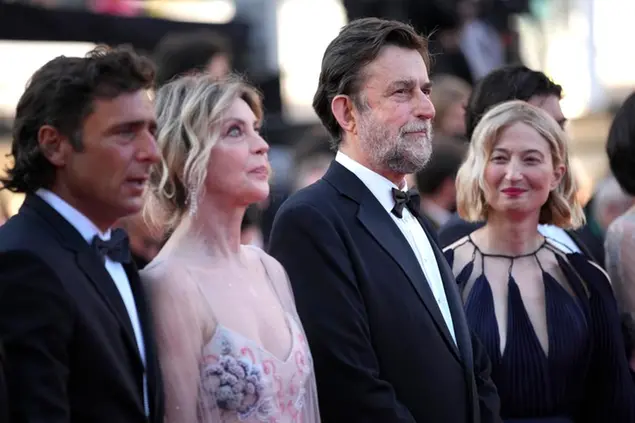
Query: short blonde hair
x,y
562,207
189,112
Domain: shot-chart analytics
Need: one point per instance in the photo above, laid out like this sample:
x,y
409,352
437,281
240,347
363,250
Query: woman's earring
x,y
192,199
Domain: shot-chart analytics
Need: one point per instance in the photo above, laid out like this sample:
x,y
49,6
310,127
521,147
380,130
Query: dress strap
x,y
505,256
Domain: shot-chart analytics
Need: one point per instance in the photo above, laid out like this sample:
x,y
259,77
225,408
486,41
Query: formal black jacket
x,y
381,348
4,402
590,245
71,354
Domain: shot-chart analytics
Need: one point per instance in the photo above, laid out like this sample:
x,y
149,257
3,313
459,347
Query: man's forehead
x,y
126,106
394,66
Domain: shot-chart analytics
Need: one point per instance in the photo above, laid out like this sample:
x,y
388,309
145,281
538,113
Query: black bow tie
x,y
408,199
116,248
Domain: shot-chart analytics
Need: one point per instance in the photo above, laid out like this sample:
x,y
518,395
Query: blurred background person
x,y
183,53
480,41
610,202
449,97
250,231
620,237
312,157
436,181
145,240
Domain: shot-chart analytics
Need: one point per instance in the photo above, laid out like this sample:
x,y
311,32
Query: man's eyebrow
x,y
407,83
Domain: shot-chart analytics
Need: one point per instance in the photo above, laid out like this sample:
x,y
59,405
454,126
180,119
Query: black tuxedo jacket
x,y
381,349
590,245
71,352
4,403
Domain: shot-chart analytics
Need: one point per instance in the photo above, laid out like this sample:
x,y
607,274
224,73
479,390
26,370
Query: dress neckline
x,y
291,325
511,257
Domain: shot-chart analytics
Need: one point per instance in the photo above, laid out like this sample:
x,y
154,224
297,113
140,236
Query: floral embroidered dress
x,y
241,381
213,371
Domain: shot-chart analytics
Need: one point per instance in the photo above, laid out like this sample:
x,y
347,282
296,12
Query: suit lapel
x,y
95,271
90,264
461,328
379,224
575,236
145,319
390,238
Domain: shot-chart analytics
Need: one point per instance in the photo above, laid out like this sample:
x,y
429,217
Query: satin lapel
x,y
575,236
88,262
96,272
145,319
389,237
461,328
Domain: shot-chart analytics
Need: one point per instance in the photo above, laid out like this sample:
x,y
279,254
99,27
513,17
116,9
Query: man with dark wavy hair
x,y
377,299
73,318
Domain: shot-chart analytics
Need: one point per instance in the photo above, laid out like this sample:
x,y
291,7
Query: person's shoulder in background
x,y
456,228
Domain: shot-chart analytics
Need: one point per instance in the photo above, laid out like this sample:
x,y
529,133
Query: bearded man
x,y
378,301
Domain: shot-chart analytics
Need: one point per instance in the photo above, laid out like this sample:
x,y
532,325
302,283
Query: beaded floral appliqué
x,y
236,384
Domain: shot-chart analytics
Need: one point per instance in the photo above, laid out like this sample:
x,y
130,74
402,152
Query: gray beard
x,y
398,153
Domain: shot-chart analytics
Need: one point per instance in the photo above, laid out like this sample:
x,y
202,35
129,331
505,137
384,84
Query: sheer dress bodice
x,y
242,381
549,325
231,349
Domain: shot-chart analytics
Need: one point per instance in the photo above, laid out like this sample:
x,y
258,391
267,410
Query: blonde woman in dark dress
x,y
547,318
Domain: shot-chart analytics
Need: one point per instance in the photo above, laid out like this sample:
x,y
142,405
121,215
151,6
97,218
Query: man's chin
x,y
406,168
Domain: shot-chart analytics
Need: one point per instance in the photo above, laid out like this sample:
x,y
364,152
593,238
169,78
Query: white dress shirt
x,y
409,227
562,238
88,230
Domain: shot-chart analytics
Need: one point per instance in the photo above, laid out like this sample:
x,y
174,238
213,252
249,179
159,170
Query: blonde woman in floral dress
x,y
231,345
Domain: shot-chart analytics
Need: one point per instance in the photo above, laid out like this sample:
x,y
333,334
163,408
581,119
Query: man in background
x,y
435,182
179,54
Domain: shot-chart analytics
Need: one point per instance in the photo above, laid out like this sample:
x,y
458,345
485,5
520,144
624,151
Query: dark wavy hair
x,y
61,94
513,82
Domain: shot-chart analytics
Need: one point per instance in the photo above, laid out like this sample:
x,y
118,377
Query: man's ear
x,y
343,111
53,145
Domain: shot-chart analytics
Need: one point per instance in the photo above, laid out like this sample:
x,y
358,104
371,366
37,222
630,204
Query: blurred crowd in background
x,y
274,42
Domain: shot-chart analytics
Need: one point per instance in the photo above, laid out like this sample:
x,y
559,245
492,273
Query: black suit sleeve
x,y
489,402
4,402
334,318
35,326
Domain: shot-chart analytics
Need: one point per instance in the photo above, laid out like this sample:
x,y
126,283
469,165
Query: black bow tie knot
x,y
117,248
403,199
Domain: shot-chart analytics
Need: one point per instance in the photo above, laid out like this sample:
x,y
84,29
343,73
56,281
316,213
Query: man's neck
x,y
70,200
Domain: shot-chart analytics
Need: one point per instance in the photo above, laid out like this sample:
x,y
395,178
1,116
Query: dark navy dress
x,y
584,377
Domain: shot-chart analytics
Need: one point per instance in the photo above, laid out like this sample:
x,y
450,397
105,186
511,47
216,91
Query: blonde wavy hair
x,y
190,111
562,208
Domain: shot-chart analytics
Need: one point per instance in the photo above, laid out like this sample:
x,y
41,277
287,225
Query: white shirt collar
x,y
84,225
377,184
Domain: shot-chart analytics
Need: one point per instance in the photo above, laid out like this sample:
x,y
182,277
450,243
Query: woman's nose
x,y
260,146
513,171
